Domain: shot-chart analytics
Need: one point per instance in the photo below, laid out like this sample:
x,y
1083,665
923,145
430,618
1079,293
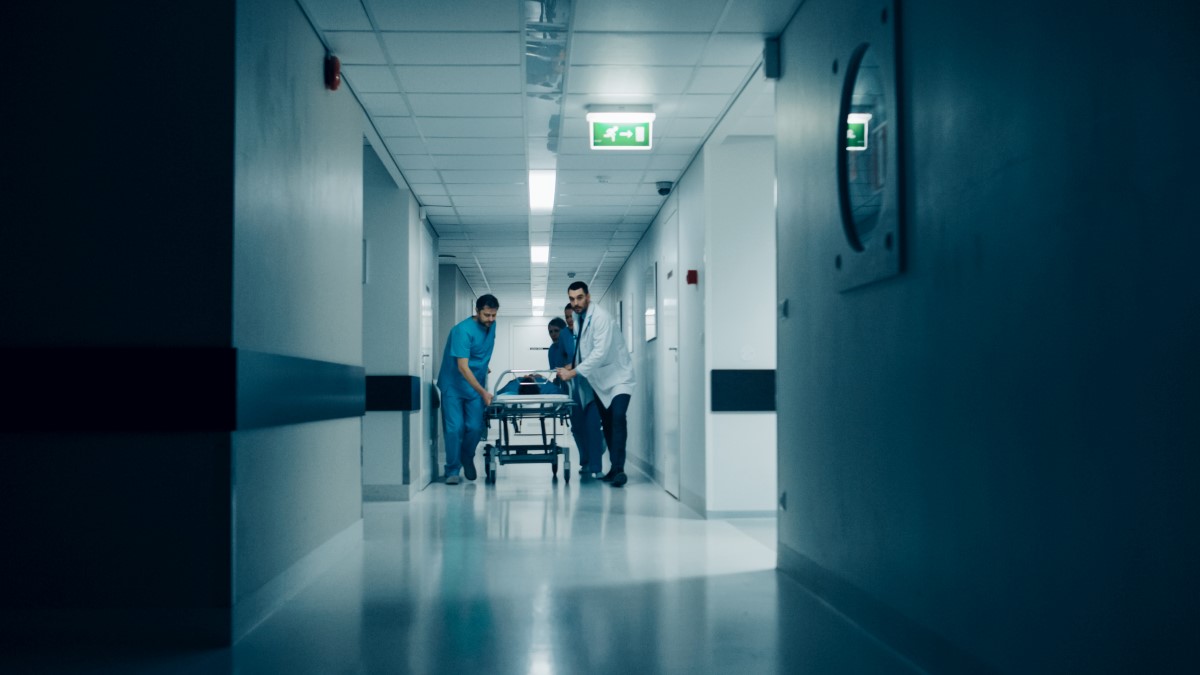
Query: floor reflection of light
x,y
540,656
539,664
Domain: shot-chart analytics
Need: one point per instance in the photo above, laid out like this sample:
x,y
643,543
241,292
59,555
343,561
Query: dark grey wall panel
x,y
273,390
393,392
111,389
117,179
998,445
743,391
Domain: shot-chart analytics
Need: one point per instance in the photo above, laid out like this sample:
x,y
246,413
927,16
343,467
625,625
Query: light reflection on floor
x,y
538,577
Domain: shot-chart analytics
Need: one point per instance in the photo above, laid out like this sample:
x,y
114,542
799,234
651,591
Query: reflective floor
x,y
538,578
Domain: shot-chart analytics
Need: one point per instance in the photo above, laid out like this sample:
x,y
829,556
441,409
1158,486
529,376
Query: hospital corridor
x,y
591,337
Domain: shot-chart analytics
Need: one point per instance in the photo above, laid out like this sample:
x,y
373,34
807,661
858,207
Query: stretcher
x,y
527,402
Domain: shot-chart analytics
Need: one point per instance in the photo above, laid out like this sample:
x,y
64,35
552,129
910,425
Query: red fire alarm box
x,y
693,277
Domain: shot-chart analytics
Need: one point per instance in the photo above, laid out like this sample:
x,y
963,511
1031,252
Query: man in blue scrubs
x,y
462,382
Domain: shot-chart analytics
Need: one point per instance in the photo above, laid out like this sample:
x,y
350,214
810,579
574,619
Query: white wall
x,y
739,326
389,316
725,213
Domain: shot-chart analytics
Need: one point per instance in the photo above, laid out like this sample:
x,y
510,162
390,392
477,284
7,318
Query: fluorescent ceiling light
x,y
541,191
539,302
539,254
620,117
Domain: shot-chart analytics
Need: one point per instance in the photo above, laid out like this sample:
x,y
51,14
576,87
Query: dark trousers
x,y
616,429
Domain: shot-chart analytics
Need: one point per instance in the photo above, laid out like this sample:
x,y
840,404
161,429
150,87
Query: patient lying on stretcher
x,y
532,385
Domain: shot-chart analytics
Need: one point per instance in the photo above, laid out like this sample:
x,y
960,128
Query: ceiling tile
x,y
593,188
475,146
675,16
591,210
677,146
421,177
494,220
613,161
738,49
584,176
472,127
462,15
338,14
702,105
414,162
435,200
371,79
466,105
588,220
487,162
625,80
764,17
718,80
484,176
440,210
591,200
637,49
460,79
358,47
386,105
486,189
395,126
494,200
676,162
406,146
428,189
446,49
688,127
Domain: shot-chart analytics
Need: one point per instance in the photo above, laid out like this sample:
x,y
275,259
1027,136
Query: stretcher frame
x,y
510,410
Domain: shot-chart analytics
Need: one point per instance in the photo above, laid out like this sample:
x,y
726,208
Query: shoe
x,y
619,479
607,478
469,468
588,477
453,480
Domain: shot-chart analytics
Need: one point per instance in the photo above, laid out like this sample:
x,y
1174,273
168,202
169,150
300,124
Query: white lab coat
x,y
603,358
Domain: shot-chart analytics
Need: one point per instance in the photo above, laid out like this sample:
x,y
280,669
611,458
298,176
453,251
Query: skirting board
x,y
264,602
909,641
734,515
385,493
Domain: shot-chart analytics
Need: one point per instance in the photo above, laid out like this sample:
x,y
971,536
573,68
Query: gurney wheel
x,y
489,475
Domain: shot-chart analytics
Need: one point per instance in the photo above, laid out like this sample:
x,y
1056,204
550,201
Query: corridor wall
x,y
992,462
389,318
297,250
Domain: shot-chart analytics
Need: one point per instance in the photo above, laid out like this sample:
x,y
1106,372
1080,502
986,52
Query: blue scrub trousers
x,y
585,428
462,423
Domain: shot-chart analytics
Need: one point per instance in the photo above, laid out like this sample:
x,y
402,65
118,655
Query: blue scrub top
x,y
469,340
563,351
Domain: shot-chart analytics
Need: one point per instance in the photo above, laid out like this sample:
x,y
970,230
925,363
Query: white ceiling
x,y
469,95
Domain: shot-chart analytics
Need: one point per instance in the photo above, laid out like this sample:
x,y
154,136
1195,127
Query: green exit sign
x,y
857,129
621,135
856,136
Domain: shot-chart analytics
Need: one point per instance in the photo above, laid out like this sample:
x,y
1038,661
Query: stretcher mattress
x,y
509,399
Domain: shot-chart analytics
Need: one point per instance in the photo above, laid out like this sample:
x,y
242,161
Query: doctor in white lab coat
x,y
604,361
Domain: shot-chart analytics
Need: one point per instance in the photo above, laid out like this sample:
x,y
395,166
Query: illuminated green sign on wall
x,y
857,130
621,135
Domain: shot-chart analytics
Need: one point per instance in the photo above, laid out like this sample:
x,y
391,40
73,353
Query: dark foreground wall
x,y
182,228
992,459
